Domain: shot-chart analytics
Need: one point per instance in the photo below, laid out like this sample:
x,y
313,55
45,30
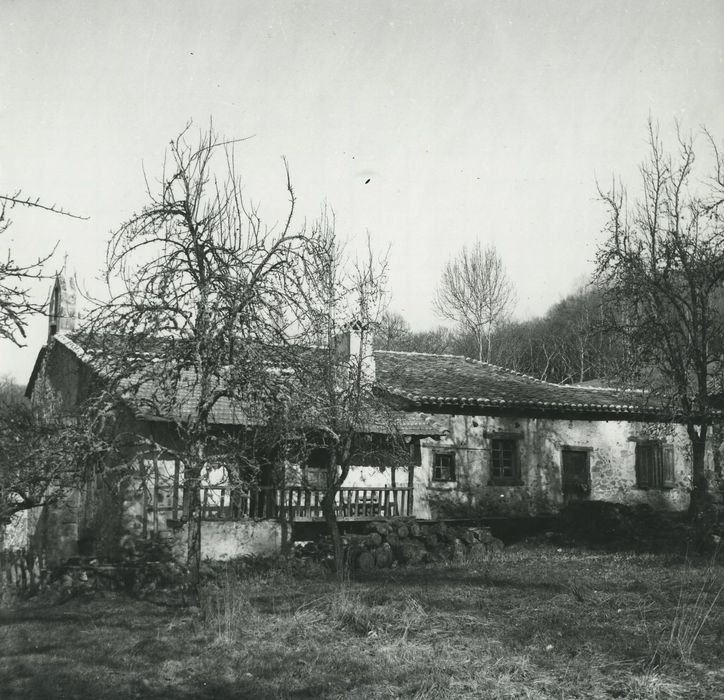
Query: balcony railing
x,y
303,504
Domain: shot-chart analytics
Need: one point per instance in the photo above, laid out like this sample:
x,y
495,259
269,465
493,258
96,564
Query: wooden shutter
x,y
668,460
656,473
642,466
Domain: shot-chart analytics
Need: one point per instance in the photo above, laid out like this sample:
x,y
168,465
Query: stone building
x,y
483,442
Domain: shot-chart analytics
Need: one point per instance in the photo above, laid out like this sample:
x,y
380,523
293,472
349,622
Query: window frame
x,y
655,470
513,443
452,467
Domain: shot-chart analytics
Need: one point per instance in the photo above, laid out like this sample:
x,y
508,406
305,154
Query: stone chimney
x,y
355,346
62,312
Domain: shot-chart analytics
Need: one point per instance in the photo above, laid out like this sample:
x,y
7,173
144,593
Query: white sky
x,y
471,119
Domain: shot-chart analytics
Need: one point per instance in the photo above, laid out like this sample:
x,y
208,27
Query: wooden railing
x,y
299,503
238,503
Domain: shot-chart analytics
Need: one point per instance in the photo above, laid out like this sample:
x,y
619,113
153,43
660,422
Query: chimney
x,y
355,346
62,312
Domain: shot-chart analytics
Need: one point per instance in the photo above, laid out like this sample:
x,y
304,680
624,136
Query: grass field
x,y
529,623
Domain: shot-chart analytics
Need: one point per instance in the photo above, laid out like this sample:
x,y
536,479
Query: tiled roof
x,y
419,383
449,381
151,399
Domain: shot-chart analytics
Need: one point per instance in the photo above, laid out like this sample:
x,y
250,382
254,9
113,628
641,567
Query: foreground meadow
x,y
529,623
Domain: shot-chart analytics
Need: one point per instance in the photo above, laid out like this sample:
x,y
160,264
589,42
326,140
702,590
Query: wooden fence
x,y
303,504
21,571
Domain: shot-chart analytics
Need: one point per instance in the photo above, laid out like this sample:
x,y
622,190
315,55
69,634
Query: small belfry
x,y
62,311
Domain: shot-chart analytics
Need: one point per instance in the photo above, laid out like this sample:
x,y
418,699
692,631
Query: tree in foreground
x,y
662,268
338,414
44,454
476,294
38,454
198,287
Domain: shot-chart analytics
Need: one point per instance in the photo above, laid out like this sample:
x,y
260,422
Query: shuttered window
x,y
654,465
504,464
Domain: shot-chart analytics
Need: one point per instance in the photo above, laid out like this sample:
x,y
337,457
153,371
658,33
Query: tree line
x,y
574,342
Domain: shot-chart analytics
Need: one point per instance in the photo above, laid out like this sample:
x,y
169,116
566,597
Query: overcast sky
x,y
483,119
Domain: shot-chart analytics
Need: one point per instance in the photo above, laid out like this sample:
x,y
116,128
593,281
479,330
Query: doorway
x,y
576,473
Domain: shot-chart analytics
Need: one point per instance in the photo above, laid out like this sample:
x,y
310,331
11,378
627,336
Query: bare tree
x,y
343,304
393,332
662,268
475,293
16,278
39,454
198,290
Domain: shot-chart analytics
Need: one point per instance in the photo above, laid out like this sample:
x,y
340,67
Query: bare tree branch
x,y
18,199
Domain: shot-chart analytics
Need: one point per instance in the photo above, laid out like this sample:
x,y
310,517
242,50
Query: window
x,y
504,465
319,461
319,458
443,466
654,465
164,493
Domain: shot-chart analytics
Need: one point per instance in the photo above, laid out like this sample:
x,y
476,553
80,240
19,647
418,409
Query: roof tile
x,y
449,380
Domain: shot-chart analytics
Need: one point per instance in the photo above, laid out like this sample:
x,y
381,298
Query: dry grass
x,y
529,624
699,593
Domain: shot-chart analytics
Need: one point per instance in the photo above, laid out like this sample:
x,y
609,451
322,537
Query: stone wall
x,y
226,539
610,444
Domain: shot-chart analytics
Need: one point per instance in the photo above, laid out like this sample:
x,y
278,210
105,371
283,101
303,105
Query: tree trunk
x,y
702,508
193,551
411,482
284,513
330,518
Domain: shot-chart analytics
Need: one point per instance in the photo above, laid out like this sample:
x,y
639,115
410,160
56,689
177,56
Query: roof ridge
x,y
69,343
616,389
416,352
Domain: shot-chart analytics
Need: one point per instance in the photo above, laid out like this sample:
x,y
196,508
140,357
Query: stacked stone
x,y
397,541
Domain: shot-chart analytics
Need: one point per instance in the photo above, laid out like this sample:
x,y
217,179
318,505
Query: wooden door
x,y
576,474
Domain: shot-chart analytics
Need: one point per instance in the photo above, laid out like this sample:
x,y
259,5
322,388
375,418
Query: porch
x,y
299,504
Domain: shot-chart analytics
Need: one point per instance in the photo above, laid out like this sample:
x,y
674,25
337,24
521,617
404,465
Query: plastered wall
x,y
611,446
